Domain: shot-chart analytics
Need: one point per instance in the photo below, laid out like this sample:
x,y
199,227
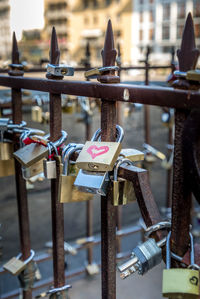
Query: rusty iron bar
x,y
150,95
147,135
89,203
169,171
181,195
108,215
22,203
56,206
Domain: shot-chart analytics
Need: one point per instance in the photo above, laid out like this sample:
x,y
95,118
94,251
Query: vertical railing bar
x,y
181,196
22,203
108,215
146,107
119,121
56,206
89,203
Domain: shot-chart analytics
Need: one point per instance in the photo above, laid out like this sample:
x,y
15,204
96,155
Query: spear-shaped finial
x,y
54,51
15,52
188,54
109,53
109,56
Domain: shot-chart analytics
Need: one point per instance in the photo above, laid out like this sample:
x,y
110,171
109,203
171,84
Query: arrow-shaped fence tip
x,y
109,53
54,51
15,52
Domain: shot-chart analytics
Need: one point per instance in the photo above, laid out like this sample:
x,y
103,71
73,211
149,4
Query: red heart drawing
x,y
102,150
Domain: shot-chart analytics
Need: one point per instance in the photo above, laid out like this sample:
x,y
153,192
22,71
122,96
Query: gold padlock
x,y
36,114
180,283
70,193
6,151
100,156
33,170
132,154
123,191
7,167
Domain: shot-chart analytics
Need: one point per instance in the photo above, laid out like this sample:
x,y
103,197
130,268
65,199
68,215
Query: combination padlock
x,y
180,282
100,156
123,191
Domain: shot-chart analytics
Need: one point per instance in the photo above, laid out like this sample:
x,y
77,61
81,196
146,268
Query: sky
x,y
26,14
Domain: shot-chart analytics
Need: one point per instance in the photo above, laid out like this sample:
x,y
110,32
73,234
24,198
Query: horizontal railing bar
x,y
82,69
149,95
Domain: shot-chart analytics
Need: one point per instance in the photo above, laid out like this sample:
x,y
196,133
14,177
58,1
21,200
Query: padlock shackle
x,y
169,254
29,259
120,134
67,155
62,139
118,164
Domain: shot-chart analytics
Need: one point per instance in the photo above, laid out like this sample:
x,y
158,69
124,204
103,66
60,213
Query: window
x,y
95,4
179,31
141,34
141,17
166,49
85,3
151,34
141,2
108,2
197,30
95,19
165,32
196,8
151,16
181,11
86,20
166,11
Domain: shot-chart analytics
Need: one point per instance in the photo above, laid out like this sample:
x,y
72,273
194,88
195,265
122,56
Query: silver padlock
x,y
60,70
50,164
33,170
92,182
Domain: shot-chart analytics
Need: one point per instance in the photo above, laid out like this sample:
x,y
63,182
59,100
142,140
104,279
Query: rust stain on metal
x,y
108,215
181,194
56,206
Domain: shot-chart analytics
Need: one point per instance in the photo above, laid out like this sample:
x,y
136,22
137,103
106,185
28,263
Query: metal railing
x,y
184,98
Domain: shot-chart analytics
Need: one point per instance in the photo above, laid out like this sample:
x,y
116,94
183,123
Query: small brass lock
x,y
70,193
123,191
180,283
7,167
15,266
100,156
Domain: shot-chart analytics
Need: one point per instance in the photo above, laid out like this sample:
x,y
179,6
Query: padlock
x,y
123,191
7,168
132,154
32,153
6,146
70,193
33,170
177,282
49,164
92,269
144,257
192,75
15,266
92,182
100,156
36,111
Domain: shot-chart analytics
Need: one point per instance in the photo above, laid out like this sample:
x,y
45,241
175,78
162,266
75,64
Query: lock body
x,y
7,167
132,154
123,192
36,114
92,182
180,283
70,193
14,266
33,170
30,154
6,151
98,156
49,167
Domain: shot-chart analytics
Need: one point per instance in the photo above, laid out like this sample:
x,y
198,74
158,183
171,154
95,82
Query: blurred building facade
x,y
160,23
5,31
136,24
